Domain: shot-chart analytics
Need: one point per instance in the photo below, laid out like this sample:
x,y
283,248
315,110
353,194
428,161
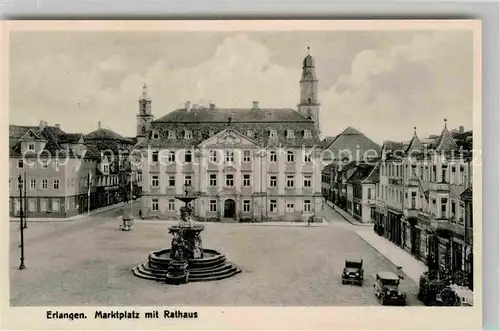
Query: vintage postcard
x,y
241,174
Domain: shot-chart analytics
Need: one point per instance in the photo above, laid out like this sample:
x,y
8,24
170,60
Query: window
x,y
32,205
55,205
188,156
56,164
273,181
43,204
213,205
106,168
56,184
246,156
171,156
307,157
307,206
307,134
44,183
171,134
246,180
187,180
273,156
290,156
290,134
273,206
45,164
32,183
307,181
444,171
171,180
289,207
31,146
213,156
229,180
290,181
273,134
155,181
188,134
250,133
155,134
20,164
154,205
246,206
444,203
154,157
171,205
369,193
453,209
212,180
229,156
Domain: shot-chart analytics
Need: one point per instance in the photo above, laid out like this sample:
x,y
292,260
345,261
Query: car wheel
x,y
382,301
343,282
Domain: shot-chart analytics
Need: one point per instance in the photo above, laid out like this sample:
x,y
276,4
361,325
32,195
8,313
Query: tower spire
x,y
414,130
308,50
445,123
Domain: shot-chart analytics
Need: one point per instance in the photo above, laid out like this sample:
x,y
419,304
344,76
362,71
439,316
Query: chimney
x,y
57,126
99,125
188,106
195,106
212,105
255,105
42,125
461,129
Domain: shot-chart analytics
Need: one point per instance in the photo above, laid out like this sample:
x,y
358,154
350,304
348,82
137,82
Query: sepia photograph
x,y
253,166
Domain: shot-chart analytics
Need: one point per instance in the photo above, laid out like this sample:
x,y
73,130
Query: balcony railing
x,y
413,181
411,213
443,187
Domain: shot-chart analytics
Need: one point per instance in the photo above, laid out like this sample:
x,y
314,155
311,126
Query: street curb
x,y
324,223
417,281
348,220
65,220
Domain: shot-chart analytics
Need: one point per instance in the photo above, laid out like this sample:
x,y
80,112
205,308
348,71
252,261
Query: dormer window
x,y
188,134
273,134
20,164
250,133
290,134
31,146
307,134
211,133
155,134
171,134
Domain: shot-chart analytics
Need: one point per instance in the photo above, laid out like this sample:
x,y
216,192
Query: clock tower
x,y
309,105
145,117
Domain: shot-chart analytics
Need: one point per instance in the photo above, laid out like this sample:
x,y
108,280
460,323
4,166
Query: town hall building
x,y
254,164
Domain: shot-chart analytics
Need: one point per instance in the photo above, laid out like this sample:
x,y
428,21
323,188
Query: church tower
x,y
309,105
144,118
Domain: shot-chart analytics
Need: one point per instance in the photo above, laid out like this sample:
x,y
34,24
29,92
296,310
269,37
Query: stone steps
x,y
225,271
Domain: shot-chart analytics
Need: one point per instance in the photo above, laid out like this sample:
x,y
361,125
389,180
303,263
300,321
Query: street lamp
x,y
21,225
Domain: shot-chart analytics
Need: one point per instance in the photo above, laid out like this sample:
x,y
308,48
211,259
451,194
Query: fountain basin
x,y
212,266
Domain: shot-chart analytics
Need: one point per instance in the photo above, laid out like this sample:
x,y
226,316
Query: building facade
x,y
234,161
422,198
56,165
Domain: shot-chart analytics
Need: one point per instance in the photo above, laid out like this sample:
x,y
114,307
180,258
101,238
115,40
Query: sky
x,y
382,83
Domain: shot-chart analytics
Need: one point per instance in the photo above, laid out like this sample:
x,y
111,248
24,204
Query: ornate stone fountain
x,y
186,260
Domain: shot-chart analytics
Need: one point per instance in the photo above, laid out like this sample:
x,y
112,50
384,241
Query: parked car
x,y
353,272
387,289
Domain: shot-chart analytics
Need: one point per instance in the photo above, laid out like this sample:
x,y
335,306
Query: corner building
x,y
254,164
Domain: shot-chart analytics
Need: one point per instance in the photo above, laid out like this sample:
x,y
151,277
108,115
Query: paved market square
x,y
89,262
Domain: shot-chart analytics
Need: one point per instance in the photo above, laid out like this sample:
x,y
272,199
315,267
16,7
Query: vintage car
x,y
386,289
353,272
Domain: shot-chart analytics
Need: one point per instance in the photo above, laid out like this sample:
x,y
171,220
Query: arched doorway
x,y
229,208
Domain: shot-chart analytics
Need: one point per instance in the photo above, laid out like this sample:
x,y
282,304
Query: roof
x,y
362,171
237,115
106,134
445,142
374,175
256,124
467,194
352,143
327,141
308,61
53,136
415,145
387,275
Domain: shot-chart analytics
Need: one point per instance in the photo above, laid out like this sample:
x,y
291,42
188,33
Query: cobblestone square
x,y
90,263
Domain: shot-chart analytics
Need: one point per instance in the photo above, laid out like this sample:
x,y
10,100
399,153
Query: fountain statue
x,y
186,260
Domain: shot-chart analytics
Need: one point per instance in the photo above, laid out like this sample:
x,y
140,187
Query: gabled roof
x,y
352,143
445,142
32,132
360,173
373,176
415,145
